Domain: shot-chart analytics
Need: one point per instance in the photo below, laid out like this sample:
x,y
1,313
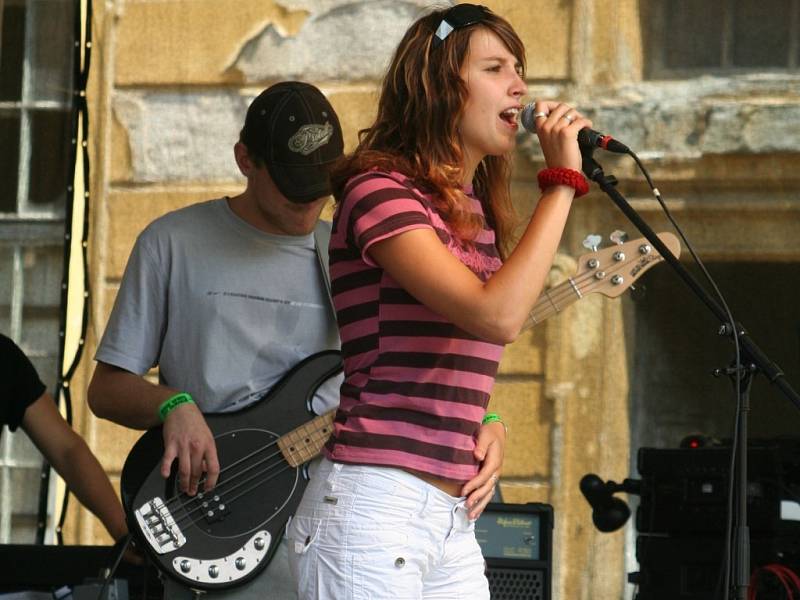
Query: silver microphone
x,y
588,139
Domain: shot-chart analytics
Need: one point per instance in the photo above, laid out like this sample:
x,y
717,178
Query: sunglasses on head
x,y
458,17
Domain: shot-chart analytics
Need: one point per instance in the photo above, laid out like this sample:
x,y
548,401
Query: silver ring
x,y
569,119
494,479
541,113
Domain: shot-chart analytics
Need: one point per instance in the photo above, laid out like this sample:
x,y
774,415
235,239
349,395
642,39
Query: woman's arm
x,y
497,309
494,310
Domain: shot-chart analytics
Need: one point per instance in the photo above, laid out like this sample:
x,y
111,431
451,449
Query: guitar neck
x,y
609,271
304,443
553,301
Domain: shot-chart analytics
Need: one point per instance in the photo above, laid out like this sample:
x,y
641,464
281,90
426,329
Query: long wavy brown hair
x,y
416,128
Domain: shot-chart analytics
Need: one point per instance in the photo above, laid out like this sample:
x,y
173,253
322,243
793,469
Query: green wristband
x,y
491,418
172,403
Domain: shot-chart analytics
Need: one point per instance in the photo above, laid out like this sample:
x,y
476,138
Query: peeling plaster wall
x,y
368,31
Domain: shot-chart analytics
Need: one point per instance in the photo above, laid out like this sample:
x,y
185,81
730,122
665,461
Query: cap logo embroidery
x,y
310,137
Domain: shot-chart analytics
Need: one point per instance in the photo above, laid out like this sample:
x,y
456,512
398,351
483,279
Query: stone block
x,y
193,43
516,492
121,167
528,416
544,27
105,294
182,136
356,108
525,354
616,43
327,211
112,443
757,127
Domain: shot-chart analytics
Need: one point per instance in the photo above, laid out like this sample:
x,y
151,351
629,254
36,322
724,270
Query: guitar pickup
x,y
159,527
212,508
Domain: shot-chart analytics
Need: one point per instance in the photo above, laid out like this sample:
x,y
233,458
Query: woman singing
x,y
425,299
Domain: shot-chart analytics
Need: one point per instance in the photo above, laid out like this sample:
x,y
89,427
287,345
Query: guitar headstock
x,y
613,270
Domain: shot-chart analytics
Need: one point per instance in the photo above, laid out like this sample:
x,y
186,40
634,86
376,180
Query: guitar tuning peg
x,y
638,292
618,237
592,241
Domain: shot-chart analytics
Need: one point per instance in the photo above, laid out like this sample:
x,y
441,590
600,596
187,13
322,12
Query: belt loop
x,y
336,467
426,502
460,512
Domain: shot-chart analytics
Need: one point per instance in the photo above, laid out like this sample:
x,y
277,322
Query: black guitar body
x,y
225,537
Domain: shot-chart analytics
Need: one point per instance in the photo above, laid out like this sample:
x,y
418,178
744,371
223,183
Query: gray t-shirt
x,y
222,308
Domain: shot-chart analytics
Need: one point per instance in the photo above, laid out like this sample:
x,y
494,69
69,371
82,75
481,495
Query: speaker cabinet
x,y
44,568
516,540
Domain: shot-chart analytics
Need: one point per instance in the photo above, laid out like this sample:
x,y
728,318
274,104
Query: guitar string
x,y
226,500
322,429
229,500
221,496
563,291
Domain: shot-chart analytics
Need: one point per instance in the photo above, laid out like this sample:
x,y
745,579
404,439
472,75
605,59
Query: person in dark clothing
x,y
25,402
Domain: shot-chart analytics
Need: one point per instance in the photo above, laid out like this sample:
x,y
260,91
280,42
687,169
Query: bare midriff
x,y
448,487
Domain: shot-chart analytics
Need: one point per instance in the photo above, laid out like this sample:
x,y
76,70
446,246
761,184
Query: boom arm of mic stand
x,y
751,351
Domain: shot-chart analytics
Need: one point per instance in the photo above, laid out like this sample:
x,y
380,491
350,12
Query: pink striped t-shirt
x,y
416,386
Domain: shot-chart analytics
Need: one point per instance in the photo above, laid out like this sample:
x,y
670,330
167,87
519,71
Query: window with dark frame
x,y
686,38
36,73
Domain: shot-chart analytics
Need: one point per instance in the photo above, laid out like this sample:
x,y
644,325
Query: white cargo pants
x,y
365,532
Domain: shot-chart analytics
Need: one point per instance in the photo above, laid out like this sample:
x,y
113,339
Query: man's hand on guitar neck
x,y
489,449
188,439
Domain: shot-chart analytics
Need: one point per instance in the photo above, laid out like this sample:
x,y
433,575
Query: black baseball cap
x,y
293,128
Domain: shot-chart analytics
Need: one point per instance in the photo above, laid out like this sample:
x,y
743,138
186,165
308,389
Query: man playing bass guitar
x,y
225,296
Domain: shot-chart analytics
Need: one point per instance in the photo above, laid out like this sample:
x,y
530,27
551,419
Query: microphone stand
x,y
754,359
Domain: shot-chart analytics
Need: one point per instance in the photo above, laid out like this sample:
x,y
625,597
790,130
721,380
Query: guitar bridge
x,y
159,527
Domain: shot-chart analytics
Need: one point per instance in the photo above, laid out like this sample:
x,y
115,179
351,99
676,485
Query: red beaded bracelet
x,y
561,176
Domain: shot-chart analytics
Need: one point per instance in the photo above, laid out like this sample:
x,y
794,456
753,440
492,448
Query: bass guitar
x,y
225,537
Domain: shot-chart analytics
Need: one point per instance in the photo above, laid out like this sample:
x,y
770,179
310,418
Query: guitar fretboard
x,y
553,301
304,443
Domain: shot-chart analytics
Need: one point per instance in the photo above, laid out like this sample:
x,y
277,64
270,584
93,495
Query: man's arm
x,y
489,449
126,398
130,400
69,455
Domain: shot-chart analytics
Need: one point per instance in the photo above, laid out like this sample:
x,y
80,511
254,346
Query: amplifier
x,y
45,567
685,491
690,568
516,540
